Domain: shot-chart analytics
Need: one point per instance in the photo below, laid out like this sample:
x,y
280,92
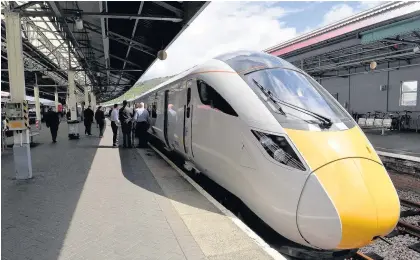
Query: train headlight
x,y
279,149
280,155
266,141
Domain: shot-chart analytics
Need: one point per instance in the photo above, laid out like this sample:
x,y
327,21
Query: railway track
x,y
362,256
405,238
413,210
409,203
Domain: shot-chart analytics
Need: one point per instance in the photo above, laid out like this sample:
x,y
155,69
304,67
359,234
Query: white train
x,y
272,136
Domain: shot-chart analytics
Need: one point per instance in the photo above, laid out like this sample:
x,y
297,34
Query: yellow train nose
x,y
348,198
364,197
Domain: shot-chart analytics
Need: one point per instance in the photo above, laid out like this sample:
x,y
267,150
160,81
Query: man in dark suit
x,y
52,121
88,120
126,119
100,120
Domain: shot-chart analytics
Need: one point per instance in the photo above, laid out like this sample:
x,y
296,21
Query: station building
x,y
369,62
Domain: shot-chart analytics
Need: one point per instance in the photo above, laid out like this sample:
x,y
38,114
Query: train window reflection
x,y
210,97
298,89
203,93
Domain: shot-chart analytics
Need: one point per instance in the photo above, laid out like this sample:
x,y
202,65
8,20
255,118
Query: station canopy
x,y
388,35
109,44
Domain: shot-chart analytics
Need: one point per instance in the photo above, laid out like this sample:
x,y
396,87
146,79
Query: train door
x,y
187,133
165,117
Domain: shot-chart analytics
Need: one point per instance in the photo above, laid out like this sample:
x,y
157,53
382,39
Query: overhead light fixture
x,y
79,23
373,65
162,55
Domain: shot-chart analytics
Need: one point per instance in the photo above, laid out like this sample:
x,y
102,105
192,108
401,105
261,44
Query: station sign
x,y
17,115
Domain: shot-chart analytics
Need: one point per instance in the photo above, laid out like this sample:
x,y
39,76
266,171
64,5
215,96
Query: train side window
x,y
188,96
154,114
210,97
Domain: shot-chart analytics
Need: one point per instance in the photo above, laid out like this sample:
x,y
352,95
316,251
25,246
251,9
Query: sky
x,y
230,26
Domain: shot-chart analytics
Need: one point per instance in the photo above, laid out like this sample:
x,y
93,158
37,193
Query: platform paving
x,y
396,142
88,200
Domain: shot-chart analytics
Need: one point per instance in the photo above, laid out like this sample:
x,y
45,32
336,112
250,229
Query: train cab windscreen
x,y
299,98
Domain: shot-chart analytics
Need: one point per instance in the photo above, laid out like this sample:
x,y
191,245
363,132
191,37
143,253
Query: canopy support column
x,y
21,147
86,97
56,99
37,104
74,122
93,101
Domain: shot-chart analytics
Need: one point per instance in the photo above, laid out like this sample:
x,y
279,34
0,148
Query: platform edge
x,y
250,233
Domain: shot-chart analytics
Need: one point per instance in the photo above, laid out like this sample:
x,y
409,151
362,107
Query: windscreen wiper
x,y
326,122
269,95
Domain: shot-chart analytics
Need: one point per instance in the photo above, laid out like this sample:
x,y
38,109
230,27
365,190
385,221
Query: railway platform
x,y
396,142
399,151
88,200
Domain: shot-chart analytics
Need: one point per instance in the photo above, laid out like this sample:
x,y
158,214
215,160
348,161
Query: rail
x,y
407,227
409,203
361,256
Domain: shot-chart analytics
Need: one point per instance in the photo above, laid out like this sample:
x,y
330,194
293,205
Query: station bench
x,y
4,140
375,124
31,136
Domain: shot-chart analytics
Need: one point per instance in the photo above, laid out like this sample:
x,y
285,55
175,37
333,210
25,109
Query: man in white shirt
x,y
141,117
114,124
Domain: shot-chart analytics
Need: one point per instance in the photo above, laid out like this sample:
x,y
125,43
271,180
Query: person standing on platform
x,y
114,125
88,120
52,121
141,119
126,118
100,120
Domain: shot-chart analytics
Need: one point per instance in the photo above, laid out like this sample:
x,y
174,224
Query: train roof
x,y
246,61
240,61
173,79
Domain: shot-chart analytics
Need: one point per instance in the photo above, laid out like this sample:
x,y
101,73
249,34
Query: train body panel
x,y
293,168
272,190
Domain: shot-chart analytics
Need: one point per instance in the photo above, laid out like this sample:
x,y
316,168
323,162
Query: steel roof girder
x,y
358,54
178,12
26,5
71,13
121,38
52,48
133,43
31,64
122,41
105,39
133,33
114,56
401,41
66,30
360,61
